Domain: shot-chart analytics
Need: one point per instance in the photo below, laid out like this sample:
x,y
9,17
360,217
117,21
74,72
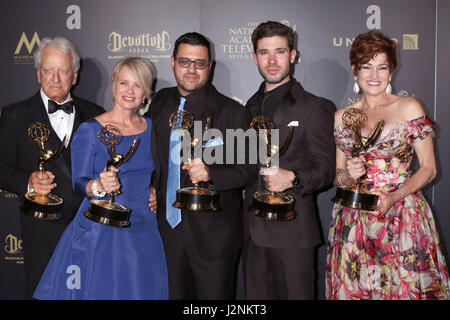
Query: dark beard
x,y
276,80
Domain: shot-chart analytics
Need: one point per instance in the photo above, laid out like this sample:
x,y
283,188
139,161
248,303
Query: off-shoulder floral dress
x,y
395,256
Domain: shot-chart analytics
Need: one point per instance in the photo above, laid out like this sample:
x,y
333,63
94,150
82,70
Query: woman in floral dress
x,y
393,252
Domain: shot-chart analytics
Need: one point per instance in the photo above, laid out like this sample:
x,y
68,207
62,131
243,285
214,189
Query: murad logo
x,y
24,50
146,45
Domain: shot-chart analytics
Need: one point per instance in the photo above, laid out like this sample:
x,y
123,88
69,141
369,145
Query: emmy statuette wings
x,y
357,196
43,206
275,206
109,212
193,198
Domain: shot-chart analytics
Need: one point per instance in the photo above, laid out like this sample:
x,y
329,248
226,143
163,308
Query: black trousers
x,y
278,274
39,241
194,277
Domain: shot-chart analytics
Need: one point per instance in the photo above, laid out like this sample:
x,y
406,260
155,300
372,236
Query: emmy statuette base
x,y
197,199
273,206
43,207
108,213
355,199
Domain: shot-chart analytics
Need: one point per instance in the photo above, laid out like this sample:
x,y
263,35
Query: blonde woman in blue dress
x,y
98,261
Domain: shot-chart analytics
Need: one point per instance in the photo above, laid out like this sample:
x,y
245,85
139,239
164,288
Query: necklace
x,y
122,125
119,124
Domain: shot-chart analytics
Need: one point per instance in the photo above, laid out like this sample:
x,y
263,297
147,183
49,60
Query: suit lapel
x,y
79,117
291,109
40,115
156,113
212,107
282,116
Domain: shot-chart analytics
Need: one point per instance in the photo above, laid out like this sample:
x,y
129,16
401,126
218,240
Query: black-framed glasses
x,y
185,63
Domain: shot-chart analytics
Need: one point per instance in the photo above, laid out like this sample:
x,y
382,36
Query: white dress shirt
x,y
61,122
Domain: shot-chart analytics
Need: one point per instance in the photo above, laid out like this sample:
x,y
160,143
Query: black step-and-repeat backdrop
x,y
107,30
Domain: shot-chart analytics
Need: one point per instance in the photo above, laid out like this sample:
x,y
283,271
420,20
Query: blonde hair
x,y
141,69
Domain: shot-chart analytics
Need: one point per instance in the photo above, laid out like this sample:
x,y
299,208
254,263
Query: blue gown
x,y
97,261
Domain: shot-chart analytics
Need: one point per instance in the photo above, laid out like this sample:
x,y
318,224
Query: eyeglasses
x,y
185,63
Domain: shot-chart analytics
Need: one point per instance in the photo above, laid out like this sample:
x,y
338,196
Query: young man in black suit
x,y
202,248
278,256
57,62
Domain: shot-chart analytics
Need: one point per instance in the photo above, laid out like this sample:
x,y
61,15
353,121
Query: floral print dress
x,y
395,256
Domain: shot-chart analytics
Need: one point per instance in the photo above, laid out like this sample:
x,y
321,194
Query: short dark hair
x,y
368,45
270,29
194,39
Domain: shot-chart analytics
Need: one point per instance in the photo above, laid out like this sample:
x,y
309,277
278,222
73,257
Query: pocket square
x,y
293,124
214,142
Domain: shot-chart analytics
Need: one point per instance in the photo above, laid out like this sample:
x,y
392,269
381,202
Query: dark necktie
x,y
173,215
66,107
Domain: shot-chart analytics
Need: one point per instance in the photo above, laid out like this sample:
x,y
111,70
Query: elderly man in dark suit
x,y
57,62
202,248
278,256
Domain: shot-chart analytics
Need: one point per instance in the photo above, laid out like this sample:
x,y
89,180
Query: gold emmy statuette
x,y
276,206
357,196
107,211
193,198
43,206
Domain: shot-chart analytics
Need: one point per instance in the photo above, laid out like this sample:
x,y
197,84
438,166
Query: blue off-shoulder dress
x,y
97,261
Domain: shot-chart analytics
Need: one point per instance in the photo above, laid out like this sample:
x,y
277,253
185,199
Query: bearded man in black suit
x,y
57,62
278,256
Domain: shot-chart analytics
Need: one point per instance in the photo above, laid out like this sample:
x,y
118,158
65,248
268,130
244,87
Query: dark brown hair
x,y
271,29
368,45
193,39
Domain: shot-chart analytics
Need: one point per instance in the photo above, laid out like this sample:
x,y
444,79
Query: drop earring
x,y
355,86
389,87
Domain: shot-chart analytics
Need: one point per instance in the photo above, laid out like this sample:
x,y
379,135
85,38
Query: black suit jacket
x,y
209,235
19,158
311,154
